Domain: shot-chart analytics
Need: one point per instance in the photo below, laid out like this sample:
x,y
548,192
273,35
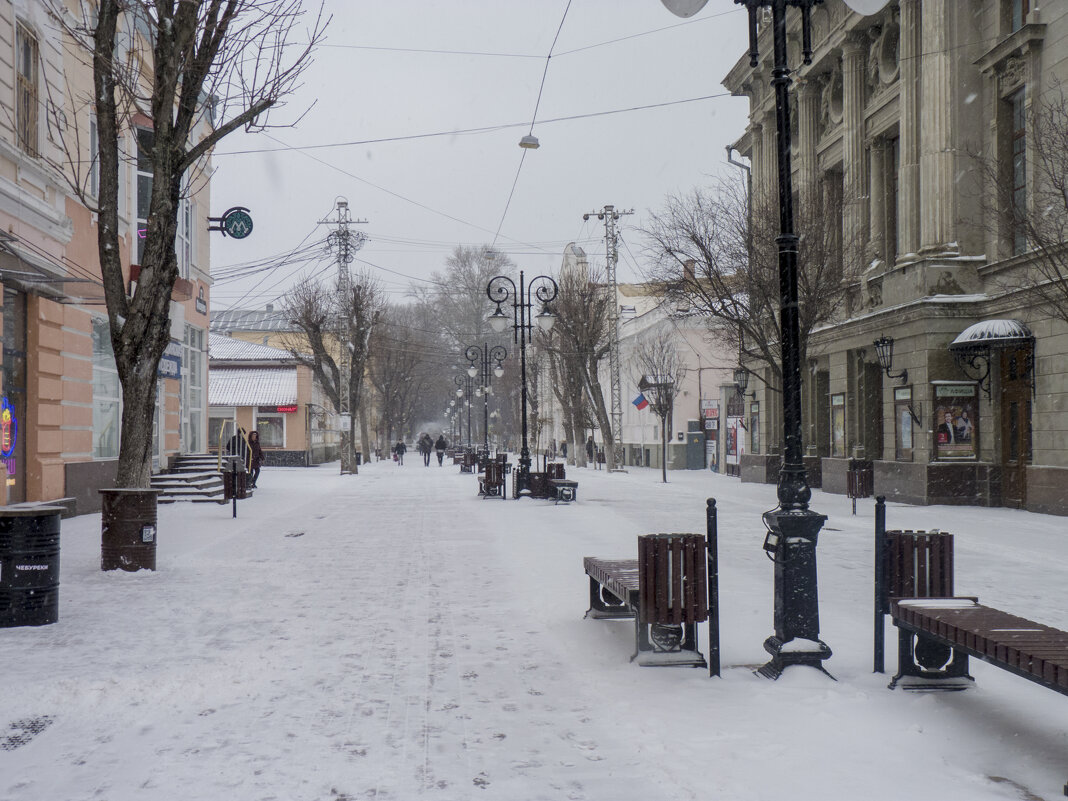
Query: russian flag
x,y
640,401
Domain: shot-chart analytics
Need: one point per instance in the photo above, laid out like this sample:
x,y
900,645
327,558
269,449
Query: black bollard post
x,y
712,547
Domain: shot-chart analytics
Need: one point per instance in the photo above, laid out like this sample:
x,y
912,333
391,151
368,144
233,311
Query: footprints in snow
x,y
24,730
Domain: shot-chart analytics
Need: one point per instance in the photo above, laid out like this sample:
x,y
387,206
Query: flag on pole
x,y
640,401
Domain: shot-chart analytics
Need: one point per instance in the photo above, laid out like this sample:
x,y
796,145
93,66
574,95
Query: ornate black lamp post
x,y
464,388
793,528
480,359
502,289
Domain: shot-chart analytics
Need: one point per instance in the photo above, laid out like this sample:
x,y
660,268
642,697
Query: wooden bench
x,y
670,588
561,488
938,631
491,483
468,462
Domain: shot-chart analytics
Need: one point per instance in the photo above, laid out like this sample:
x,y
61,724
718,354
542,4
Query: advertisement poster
x,y
735,444
956,421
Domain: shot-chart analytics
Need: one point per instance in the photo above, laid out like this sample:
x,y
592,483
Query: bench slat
x,y
1040,652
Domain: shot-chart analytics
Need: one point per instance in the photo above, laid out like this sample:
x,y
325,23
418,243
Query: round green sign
x,y
237,223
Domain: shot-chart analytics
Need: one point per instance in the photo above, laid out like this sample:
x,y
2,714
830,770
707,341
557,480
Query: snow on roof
x,y
228,349
249,320
992,332
252,386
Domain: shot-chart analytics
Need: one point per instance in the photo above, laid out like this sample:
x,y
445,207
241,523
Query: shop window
x,y
193,389
956,421
107,394
221,426
754,426
838,430
903,424
272,428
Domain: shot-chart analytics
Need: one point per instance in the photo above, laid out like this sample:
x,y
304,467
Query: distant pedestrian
x,y
563,449
589,448
257,457
426,445
238,446
400,450
440,447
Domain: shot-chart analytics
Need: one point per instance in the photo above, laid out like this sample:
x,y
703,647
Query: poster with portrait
x,y
956,420
734,444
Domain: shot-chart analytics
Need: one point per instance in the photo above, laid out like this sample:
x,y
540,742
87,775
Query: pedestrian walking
x,y
238,446
589,448
440,447
257,457
400,450
426,445
563,449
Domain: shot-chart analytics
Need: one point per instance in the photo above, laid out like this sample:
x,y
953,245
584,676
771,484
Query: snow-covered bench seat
x,y
665,591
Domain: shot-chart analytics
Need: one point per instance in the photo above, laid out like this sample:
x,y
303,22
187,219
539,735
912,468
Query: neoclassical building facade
x,y
921,120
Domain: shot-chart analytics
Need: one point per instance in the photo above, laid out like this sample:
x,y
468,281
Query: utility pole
x,y
344,243
610,215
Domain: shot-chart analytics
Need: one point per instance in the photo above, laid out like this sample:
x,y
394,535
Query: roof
x,y
252,386
270,319
228,349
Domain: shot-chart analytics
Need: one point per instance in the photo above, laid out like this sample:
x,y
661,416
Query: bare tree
x,y
457,304
576,346
199,69
322,323
716,255
396,371
661,371
1037,224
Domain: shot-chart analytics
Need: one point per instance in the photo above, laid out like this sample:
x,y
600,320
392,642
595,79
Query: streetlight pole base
x,y
810,653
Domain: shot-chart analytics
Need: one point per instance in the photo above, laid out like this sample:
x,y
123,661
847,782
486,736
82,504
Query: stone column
x,y
808,111
878,165
908,176
938,229
855,211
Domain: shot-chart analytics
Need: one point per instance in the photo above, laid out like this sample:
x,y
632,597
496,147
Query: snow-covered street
x,y
393,636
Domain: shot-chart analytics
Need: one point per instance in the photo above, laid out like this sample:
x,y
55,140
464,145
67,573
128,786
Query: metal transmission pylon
x,y
610,215
344,244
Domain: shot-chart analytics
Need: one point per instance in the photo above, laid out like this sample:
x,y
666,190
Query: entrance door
x,y
1015,425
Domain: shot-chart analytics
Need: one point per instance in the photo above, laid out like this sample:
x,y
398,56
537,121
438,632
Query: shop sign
x,y
288,408
170,363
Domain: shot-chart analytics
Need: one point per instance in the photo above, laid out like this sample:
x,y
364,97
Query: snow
x,y
392,636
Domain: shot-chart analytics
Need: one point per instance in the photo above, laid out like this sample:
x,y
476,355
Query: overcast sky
x,y
395,82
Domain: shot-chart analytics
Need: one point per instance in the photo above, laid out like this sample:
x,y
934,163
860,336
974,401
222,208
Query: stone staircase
x,y
191,477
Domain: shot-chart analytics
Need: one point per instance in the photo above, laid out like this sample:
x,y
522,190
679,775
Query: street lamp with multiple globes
x,y
480,359
793,528
464,390
501,289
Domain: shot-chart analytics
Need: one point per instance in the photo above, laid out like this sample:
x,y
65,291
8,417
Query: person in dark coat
x,y
426,445
400,450
257,457
440,447
589,448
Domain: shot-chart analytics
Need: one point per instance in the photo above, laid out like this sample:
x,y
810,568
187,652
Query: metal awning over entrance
x,y
978,344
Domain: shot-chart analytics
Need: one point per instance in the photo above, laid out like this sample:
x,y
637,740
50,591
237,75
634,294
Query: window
x,y
1019,173
106,394
1018,13
903,419
145,142
272,428
838,435
193,390
220,425
26,89
94,159
754,426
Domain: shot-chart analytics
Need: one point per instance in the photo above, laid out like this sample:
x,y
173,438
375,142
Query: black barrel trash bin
x,y
128,529
29,566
